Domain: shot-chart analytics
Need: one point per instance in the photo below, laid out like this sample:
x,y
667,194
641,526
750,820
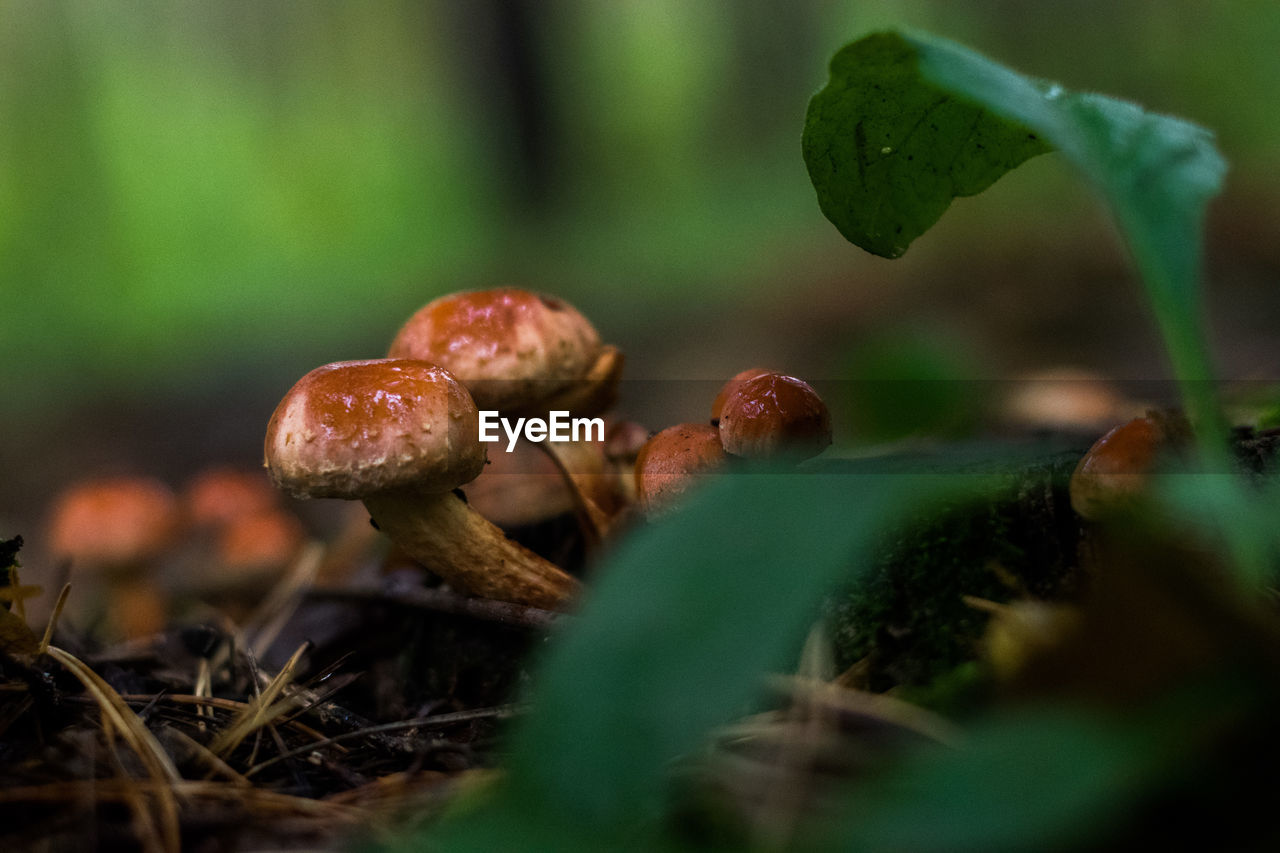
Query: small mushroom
x,y
218,496
771,414
250,554
673,462
401,435
519,488
253,550
717,405
518,352
117,529
1065,399
1114,471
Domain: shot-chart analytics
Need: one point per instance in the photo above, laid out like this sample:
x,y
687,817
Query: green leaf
x,y
1016,782
1241,521
677,632
888,151
1155,172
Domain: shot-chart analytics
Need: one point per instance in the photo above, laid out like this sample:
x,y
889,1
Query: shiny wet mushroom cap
x,y
717,405
1114,472
774,415
355,428
517,352
401,435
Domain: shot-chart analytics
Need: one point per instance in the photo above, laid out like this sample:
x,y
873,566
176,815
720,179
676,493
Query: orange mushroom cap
x,y
1114,471
516,351
114,522
220,495
670,463
772,414
717,405
355,428
260,541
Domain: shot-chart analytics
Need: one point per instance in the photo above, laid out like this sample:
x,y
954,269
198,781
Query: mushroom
x,y
522,353
117,528
401,435
771,414
518,352
1114,471
254,549
717,405
1067,399
217,496
519,488
251,553
673,461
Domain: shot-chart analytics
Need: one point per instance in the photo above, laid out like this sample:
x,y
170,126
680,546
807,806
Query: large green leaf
x,y
888,147
1018,781
675,636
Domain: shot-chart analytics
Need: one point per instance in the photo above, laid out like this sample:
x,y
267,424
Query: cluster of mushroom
x,y
121,533
401,433
757,414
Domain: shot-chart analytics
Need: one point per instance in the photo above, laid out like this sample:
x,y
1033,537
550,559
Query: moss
x,y
906,614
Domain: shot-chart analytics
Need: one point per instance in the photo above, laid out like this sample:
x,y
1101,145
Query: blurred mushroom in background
x,y
114,532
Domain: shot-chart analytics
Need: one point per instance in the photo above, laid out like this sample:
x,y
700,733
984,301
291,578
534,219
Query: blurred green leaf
x,y
677,632
1241,521
1016,782
888,151
908,382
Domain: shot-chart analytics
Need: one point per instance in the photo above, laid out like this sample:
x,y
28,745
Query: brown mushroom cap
x,y
114,522
1114,471
668,464
263,542
511,347
717,405
772,414
355,428
218,496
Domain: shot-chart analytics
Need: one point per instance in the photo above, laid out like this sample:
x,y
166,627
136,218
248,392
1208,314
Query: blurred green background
x,y
201,201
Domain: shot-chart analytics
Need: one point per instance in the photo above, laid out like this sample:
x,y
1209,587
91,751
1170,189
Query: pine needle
x,y
265,624
53,618
262,710
119,717
254,800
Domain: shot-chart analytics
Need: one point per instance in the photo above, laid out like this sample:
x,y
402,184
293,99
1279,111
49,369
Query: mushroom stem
x,y
463,547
